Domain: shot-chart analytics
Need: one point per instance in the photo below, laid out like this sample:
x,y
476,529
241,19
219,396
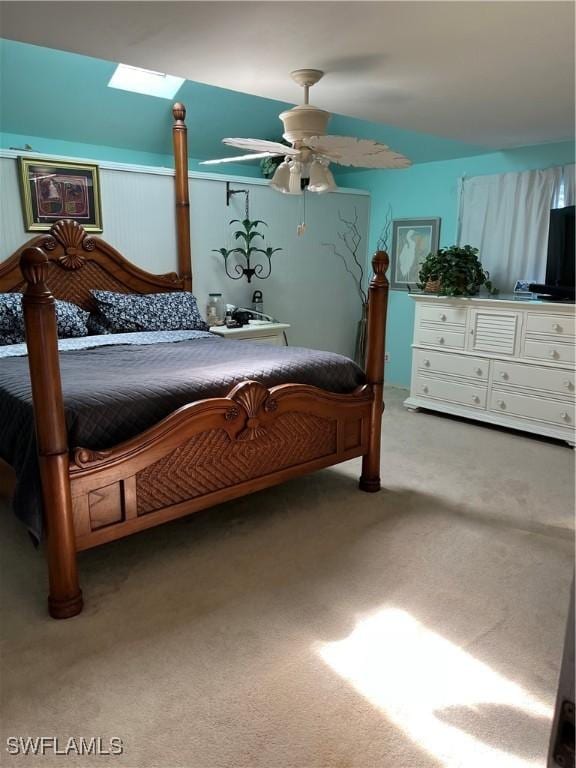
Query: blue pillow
x,y
129,312
71,319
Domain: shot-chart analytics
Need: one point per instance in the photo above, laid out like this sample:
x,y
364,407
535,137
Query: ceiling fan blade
x,y
360,153
261,145
240,158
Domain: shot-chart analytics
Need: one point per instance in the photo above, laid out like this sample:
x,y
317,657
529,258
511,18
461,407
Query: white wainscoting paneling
x,y
309,287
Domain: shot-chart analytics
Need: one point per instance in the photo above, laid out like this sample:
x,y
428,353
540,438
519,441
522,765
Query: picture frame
x,y
412,241
53,190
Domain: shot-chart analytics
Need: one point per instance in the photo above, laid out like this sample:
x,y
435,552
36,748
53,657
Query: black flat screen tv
x,y
561,254
561,261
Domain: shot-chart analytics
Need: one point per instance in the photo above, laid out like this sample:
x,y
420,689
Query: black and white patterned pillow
x,y
97,326
71,319
128,312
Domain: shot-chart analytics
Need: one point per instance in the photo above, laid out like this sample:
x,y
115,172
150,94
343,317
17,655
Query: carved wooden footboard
x,y
202,454
205,453
211,451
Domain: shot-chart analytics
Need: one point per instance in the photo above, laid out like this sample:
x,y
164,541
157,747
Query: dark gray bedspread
x,y
113,393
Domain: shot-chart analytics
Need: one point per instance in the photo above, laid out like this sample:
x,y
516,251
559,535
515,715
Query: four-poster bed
x,y
208,451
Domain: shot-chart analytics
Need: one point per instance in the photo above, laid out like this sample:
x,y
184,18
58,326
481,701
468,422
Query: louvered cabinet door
x,y
496,333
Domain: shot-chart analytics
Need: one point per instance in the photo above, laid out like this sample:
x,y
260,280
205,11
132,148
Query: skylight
x,y
127,78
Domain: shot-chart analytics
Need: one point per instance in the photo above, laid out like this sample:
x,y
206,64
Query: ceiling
x,y
495,74
64,97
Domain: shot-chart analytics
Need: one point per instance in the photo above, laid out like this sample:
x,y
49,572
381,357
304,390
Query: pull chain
x,y
301,228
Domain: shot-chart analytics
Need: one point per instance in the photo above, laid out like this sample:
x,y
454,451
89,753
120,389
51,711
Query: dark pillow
x,y
97,326
128,312
71,319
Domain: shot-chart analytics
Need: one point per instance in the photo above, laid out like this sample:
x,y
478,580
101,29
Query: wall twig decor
x,y
351,239
383,243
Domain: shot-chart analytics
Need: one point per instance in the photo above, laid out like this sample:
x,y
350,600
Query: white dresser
x,y
497,360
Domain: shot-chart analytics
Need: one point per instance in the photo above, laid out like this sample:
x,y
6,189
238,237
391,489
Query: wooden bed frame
x,y
203,454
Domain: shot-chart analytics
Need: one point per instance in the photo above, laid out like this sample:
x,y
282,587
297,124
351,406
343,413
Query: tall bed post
x,y
65,598
180,139
376,345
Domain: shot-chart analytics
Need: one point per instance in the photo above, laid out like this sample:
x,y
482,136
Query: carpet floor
x,y
314,626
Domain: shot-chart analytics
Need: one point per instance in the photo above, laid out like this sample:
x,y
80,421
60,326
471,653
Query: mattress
x,y
116,387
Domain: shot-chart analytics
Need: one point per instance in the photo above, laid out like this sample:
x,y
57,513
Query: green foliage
x,y
247,235
268,165
458,269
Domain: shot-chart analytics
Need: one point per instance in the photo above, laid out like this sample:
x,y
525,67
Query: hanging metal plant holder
x,y
257,261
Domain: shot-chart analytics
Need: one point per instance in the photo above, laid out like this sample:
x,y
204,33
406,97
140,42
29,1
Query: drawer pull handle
x,y
504,375
442,316
440,339
568,384
479,371
564,416
424,388
553,354
427,363
475,399
501,403
556,327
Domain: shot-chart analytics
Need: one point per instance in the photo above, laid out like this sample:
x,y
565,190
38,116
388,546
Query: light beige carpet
x,y
314,626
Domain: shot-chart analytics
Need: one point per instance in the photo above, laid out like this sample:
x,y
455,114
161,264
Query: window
x,y
560,195
146,81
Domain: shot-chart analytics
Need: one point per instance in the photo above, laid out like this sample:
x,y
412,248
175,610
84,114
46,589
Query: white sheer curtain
x,y
565,192
507,216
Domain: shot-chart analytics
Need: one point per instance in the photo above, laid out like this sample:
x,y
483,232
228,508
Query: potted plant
x,y
454,271
269,164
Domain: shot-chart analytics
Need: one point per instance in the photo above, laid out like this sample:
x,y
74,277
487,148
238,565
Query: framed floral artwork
x,y
53,190
412,241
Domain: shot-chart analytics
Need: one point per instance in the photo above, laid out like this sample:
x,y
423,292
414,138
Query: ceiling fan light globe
x,y
294,183
321,178
281,179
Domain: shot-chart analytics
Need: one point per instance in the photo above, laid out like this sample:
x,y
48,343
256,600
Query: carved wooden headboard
x,y
80,262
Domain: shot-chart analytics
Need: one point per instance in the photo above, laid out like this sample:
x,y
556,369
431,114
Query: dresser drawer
x,y
457,365
549,379
555,325
552,411
441,338
443,314
465,394
548,350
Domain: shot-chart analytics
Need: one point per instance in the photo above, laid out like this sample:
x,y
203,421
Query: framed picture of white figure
x,y
412,241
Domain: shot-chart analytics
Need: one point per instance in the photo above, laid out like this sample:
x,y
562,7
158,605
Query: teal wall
x,y
43,145
430,190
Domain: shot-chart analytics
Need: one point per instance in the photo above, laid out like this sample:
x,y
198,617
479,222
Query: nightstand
x,y
262,333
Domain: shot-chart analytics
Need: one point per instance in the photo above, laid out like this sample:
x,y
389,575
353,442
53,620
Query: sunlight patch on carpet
x,y
419,680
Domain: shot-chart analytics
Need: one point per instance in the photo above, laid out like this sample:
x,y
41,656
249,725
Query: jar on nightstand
x,y
215,309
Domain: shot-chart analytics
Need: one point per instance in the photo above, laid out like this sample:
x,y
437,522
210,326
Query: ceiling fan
x,y
312,151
